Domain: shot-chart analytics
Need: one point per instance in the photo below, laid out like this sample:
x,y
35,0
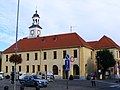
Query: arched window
x,y
55,70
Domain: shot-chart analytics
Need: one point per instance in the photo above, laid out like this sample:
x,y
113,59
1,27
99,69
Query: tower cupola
x,y
35,29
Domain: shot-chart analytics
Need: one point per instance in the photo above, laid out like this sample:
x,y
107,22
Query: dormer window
x,y
54,38
43,39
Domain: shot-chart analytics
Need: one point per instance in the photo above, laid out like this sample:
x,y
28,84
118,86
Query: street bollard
x,y
6,88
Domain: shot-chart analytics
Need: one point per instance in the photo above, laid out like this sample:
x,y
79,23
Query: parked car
x,y
50,78
1,75
29,80
46,75
21,75
42,80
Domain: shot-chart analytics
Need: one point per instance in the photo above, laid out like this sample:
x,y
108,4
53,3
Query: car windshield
x,y
36,77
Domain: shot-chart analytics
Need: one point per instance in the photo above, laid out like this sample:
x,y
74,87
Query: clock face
x,y
32,32
38,32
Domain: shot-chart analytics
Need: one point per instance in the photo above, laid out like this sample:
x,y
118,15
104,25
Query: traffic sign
x,y
67,57
67,62
67,65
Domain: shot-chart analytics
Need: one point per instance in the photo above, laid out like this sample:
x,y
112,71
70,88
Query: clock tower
x,y
35,29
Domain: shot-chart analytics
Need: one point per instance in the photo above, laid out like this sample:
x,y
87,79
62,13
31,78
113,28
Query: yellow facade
x,y
83,57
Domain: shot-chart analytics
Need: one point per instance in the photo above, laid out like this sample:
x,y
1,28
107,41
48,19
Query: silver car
x,y
40,79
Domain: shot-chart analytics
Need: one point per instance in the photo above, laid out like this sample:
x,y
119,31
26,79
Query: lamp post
x,y
16,49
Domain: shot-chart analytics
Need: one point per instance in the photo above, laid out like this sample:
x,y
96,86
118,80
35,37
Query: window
x,y
6,58
36,56
45,67
75,53
55,54
19,68
12,68
64,53
38,66
91,54
55,70
119,54
33,68
45,56
27,56
27,69
6,69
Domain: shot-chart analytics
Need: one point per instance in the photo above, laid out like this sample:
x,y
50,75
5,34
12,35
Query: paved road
x,y
72,85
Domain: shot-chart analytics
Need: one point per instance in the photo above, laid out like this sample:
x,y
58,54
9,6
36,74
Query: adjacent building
x,y
47,53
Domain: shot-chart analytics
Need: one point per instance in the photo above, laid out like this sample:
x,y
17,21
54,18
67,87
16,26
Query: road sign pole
x,y
67,68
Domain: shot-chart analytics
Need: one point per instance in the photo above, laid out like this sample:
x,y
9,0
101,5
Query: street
x,y
68,85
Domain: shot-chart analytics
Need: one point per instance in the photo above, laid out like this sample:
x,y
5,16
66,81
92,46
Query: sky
x,y
91,19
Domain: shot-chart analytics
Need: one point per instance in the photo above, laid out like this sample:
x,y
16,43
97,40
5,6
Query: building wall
x,y
86,61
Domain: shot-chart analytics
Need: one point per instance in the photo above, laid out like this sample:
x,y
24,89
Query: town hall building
x,y
47,53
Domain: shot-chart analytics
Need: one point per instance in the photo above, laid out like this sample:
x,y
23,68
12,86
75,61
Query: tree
x,y
105,59
14,58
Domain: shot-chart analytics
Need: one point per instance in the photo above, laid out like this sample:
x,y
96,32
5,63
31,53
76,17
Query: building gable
x,y
104,42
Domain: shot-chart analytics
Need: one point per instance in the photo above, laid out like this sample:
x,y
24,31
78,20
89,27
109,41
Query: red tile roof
x,y
49,42
104,42
92,43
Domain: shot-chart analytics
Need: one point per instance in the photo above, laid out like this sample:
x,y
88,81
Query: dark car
x,y
29,80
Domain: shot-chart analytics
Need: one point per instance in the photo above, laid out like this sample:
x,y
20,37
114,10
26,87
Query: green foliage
x,y
105,58
14,58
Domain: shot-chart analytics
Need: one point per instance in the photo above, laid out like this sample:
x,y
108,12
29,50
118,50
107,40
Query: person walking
x,y
93,79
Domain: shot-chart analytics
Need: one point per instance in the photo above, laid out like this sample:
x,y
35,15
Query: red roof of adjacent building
x,y
104,42
49,42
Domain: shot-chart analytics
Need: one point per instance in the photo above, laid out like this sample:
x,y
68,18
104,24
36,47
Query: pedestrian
x,y
93,79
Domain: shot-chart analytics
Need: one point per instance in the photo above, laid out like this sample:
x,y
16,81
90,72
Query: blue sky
x,y
91,19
